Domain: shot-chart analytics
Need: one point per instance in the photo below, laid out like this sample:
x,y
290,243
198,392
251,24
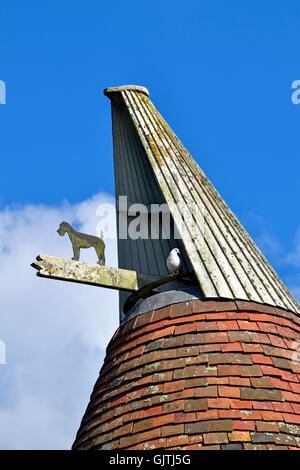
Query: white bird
x,y
174,262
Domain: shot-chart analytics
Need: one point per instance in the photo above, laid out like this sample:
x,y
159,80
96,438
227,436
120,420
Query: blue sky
x,y
220,72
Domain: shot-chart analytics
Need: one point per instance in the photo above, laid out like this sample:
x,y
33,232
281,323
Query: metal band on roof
x,y
119,89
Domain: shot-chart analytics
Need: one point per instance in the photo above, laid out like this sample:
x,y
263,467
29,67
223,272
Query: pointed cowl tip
x,y
118,89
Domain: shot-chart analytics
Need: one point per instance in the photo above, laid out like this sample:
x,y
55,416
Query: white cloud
x,y
294,257
55,332
284,263
296,293
269,245
293,260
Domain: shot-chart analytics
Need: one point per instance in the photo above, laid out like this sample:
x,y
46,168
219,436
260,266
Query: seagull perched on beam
x,y
174,262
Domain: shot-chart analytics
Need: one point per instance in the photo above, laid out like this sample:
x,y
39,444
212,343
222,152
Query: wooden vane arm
x,y
92,274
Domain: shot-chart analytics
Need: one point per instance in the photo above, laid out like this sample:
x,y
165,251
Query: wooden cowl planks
x,y
225,260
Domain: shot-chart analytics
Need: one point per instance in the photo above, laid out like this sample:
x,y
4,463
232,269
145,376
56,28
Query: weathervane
x,y
83,240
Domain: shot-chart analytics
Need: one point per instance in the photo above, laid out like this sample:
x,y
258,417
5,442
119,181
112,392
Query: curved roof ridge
x,y
118,89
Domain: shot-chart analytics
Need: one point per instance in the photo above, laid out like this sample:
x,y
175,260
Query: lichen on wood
x,y
92,274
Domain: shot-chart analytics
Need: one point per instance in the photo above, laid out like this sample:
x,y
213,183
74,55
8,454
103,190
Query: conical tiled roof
x,y
152,166
198,375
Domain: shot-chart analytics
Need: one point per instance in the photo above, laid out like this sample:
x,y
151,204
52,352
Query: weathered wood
x,y
226,261
92,274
